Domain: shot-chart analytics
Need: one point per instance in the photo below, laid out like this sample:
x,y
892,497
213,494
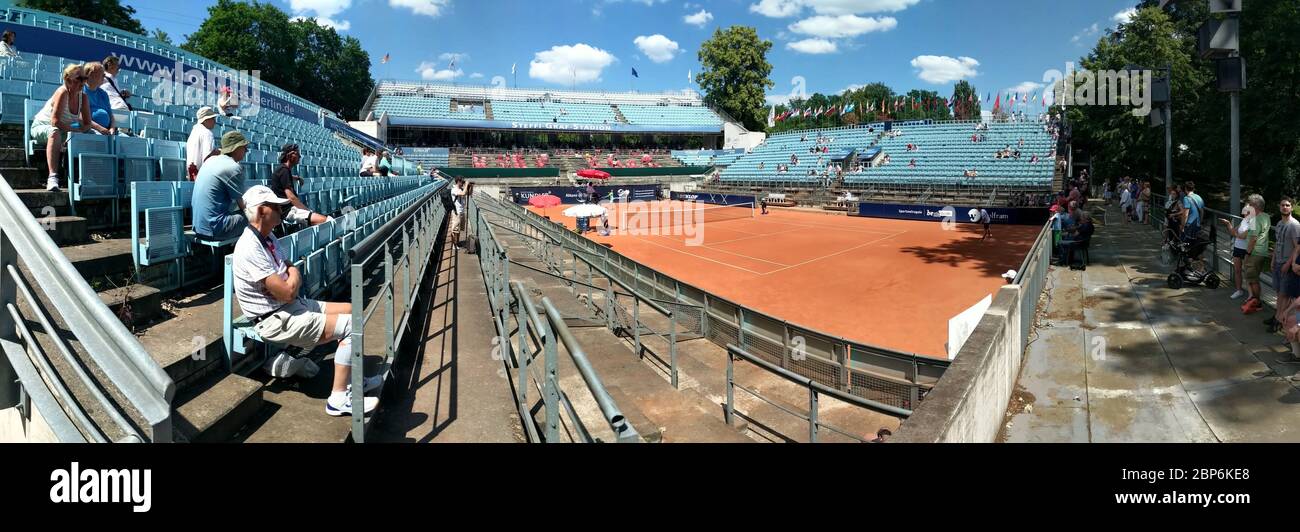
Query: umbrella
x,y
585,211
544,201
593,174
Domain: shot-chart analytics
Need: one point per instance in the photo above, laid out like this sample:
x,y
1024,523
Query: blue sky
x,y
830,44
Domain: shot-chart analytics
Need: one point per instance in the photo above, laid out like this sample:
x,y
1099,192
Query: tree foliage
x,y
302,57
1122,144
107,12
876,102
735,75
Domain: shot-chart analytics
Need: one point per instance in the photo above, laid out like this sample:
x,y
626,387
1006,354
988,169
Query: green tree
x,y
162,37
968,99
107,12
301,57
735,75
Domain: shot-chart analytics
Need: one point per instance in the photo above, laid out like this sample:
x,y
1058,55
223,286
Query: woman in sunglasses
x,y
67,111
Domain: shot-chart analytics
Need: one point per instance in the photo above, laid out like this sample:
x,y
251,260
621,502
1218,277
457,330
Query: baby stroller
x,y
1190,266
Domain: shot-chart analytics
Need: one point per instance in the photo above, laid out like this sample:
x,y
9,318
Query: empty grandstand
x,y
434,114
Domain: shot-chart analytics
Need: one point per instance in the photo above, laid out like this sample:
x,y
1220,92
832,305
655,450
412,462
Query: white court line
x,y
741,255
648,241
836,254
752,237
830,227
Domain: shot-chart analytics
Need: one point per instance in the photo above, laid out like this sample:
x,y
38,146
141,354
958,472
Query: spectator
x,y
1240,247
67,111
1126,202
1108,191
987,220
1192,212
219,185
1144,202
1173,210
200,145
284,185
101,111
7,45
1258,262
1287,231
116,98
1076,238
458,193
229,103
385,164
267,287
369,163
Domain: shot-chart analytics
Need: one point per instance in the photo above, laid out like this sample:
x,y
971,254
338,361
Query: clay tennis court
x,y
890,283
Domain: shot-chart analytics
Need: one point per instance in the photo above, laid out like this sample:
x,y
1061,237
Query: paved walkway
x,y
1117,356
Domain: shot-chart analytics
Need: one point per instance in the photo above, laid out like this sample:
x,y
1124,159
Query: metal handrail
x,y
119,356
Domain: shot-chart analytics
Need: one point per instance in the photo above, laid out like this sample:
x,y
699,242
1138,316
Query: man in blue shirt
x,y
1193,207
218,192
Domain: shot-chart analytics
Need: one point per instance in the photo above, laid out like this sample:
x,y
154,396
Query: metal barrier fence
x,y
405,247
815,390
888,377
103,386
536,334
1032,278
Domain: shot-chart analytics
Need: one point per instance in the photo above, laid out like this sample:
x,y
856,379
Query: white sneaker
x,y
52,183
340,404
1238,294
372,383
283,366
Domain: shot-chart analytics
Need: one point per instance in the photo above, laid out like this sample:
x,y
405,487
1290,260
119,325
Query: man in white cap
x,y
267,287
201,143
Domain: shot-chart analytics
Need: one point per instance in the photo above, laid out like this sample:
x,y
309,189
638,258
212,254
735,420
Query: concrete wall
x,y
372,128
736,137
969,402
13,430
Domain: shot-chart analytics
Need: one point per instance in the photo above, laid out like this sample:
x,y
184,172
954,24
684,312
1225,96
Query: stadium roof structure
x,y
440,105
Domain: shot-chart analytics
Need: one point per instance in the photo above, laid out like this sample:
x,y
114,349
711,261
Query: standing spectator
x,y
1174,210
1144,202
116,98
1239,234
200,145
591,193
67,111
219,186
458,193
1258,260
7,45
284,184
1287,231
229,103
1126,202
1192,212
101,111
267,287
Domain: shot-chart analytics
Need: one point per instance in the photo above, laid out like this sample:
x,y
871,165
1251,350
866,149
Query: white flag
x,y
514,68
771,117
690,76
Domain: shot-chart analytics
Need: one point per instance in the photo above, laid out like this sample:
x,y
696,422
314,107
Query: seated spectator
x,y
200,147
219,187
116,98
67,111
101,110
267,287
285,185
370,163
912,164
1076,237
7,45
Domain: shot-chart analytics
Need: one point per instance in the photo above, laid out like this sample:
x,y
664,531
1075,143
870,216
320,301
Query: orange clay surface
x,y
889,283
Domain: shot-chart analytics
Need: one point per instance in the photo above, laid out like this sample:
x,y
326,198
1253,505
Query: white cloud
x,y
658,48
943,69
699,19
324,11
581,63
476,75
430,72
1090,31
338,25
813,46
1125,16
777,8
1026,87
842,26
790,8
432,8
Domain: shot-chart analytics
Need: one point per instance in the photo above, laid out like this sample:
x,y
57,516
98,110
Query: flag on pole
x,y
514,69
690,76
997,104
384,61
452,65
771,117
634,74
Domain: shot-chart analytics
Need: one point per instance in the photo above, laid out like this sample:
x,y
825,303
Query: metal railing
x,y
815,391
405,247
103,386
1032,278
535,334
889,377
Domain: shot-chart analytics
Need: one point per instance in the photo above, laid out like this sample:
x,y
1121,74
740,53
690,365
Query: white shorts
x,y
298,324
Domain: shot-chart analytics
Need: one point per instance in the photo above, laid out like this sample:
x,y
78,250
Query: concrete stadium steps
x,y
217,411
618,114
487,110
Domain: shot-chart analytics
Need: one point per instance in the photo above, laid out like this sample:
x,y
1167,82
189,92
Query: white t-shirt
x,y
984,217
368,163
1242,230
1126,197
115,100
458,194
199,145
253,264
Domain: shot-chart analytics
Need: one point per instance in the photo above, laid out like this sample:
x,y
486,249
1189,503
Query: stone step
x,y
9,155
216,411
66,230
145,303
37,198
645,427
19,176
111,257
188,343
